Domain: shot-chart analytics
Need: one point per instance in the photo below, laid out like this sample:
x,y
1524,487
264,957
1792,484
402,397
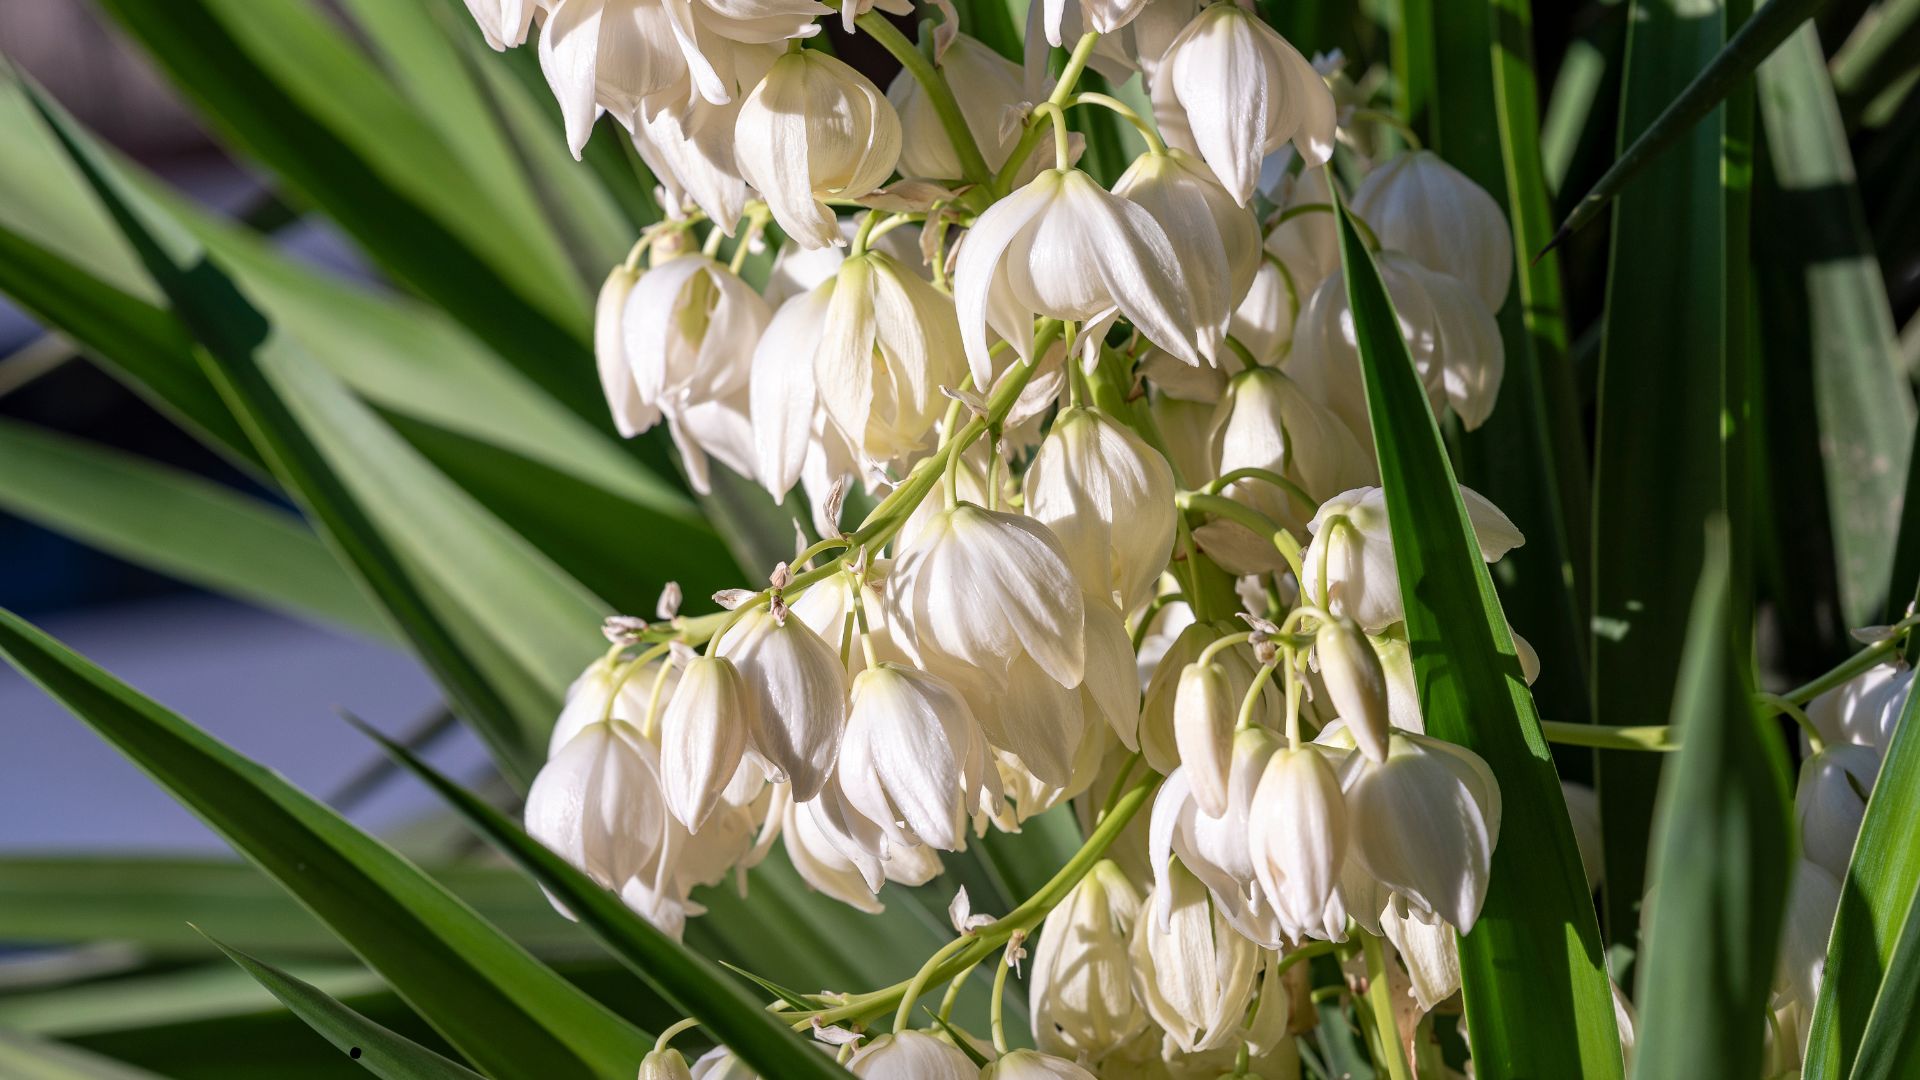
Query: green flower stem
x,y
1659,737
1774,704
939,93
1125,112
1852,665
1265,476
1030,138
667,1036
1380,1001
997,1018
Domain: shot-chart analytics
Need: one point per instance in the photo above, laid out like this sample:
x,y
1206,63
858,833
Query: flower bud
x,y
1216,239
631,416
598,804
1233,91
1082,1003
1865,708
1033,1065
1193,972
1356,682
911,1055
703,735
1424,823
993,87
799,692
1297,835
888,343
1354,541
1418,204
982,587
1108,497
1216,849
665,1065
1205,710
815,129
1158,740
914,759
1831,800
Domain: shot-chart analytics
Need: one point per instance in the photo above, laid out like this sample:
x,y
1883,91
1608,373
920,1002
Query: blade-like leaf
x,y
194,995
1877,56
1720,868
378,1050
1660,472
26,1058
1891,1044
1720,74
1903,577
690,982
506,1012
1536,930
182,525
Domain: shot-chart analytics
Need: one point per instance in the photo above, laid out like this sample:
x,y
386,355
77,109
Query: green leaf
x,y
1831,304
1891,1043
1660,469
179,524
1877,56
1903,578
1876,903
25,1058
1720,869
682,976
506,1012
378,1050
1720,74
191,995
1537,927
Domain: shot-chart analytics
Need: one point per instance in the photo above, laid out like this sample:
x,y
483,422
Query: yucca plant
x,y
1217,641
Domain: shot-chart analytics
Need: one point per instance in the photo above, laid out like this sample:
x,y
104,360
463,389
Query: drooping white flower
x,y
504,23
703,735
1423,824
631,415
991,87
1356,683
1297,834
598,804
1108,497
665,1064
888,343
914,759
815,129
1215,239
1033,1065
1216,848
800,696
983,587
1362,579
1102,16
719,1063
1428,948
1157,724
690,151
1083,1002
1235,91
1865,709
911,1055
1813,899
1205,709
1418,204
1831,800
1268,422
603,693
1192,971
1065,248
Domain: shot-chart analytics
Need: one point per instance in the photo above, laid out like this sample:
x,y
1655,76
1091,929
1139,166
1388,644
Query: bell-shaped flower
x,y
598,804
666,1064
783,397
703,736
1418,204
1192,971
911,1055
1108,497
1158,740
982,587
827,605
994,89
815,129
838,852
1356,683
690,152
1081,993
914,759
604,692
504,23
1428,948
888,343
720,1063
1864,709
1452,336
1215,848
1237,91
1027,795
1423,823
1813,899
1831,801
1268,422
1026,713
1100,16
1216,239
1205,710
1033,1065
1297,834
799,692
631,415
1306,245
1354,541
1065,248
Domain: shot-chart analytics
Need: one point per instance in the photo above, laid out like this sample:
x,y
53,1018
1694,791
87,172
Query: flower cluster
x,y
1126,547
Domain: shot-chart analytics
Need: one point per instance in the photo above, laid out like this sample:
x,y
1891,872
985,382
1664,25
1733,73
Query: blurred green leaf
x,y
1903,578
1537,928
692,983
1833,307
1720,866
202,993
25,1058
179,524
378,1050
1576,133
1877,55
504,1010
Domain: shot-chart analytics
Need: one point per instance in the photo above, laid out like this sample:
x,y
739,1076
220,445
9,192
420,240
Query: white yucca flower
x,y
888,343
504,23
815,129
1157,739
1065,248
911,1055
1108,497
1452,335
982,588
1812,901
665,1065
1428,947
1830,801
1033,1065
602,692
991,89
1233,91
1356,683
1423,824
826,606
1362,579
690,152
631,414
1081,993
800,696
1268,422
1205,709
719,1063
1215,849
1297,836
1864,709
1192,971
1101,16
837,851
1418,204
598,804
703,736
1215,239
914,759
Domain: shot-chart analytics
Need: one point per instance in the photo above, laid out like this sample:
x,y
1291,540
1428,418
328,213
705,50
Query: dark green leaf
x,y
1891,1044
1537,927
1720,869
505,1011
